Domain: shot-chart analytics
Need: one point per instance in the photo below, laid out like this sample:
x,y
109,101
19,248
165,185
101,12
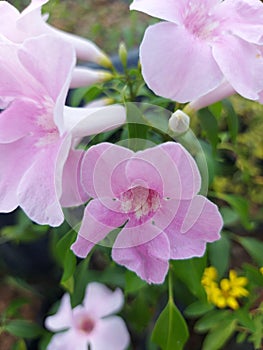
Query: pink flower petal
x,y
182,181
15,158
100,301
197,221
168,10
81,122
72,192
173,63
8,15
63,318
149,261
41,185
60,65
20,113
99,163
111,334
241,63
97,222
68,341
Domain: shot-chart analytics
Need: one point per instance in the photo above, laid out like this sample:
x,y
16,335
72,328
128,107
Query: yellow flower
x,y
225,293
261,270
210,275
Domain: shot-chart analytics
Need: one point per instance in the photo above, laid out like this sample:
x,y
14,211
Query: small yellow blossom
x,y
210,275
225,293
261,270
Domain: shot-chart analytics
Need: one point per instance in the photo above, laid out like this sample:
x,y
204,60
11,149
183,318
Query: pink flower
x,y
203,44
18,27
153,193
90,323
38,165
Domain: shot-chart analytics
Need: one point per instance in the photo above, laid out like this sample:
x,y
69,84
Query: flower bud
x,y
123,54
179,122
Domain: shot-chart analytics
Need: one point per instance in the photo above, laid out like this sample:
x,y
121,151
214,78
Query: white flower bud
x,y
179,122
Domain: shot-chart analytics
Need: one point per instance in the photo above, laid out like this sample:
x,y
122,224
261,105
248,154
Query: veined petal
x,y
236,58
72,191
15,158
173,63
60,65
42,184
149,260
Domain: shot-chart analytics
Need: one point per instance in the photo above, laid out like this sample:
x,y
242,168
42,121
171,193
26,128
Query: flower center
x,y
48,132
140,201
200,22
86,325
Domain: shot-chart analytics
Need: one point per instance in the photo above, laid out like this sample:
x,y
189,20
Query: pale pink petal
x,y
222,91
168,10
183,180
34,5
101,301
86,76
8,16
59,65
241,63
173,63
15,158
111,334
81,247
17,120
42,183
97,222
81,122
62,319
196,222
72,192
135,172
99,163
68,340
149,261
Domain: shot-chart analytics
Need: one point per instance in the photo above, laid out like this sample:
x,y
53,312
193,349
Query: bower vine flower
x,y
17,27
38,162
91,323
203,45
153,196
227,291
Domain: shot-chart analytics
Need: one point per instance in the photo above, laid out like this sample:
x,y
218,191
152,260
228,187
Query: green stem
x,y
170,285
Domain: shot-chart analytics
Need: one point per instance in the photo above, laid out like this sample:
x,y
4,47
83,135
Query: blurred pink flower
x,y
153,193
17,27
38,165
203,44
90,323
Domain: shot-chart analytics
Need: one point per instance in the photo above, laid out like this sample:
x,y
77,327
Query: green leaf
x,y
170,331
254,247
240,205
257,336
219,254
245,319
15,305
137,128
20,345
211,320
216,109
132,282
198,308
230,216
190,272
216,338
67,260
209,125
24,329
232,119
